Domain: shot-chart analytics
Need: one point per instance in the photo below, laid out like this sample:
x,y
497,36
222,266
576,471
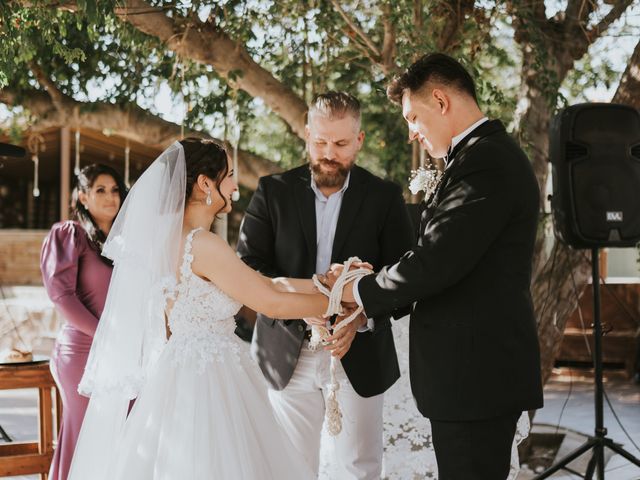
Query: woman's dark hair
x,y
435,67
79,213
204,157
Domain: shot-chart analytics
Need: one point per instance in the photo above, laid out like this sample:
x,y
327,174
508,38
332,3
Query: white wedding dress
x,y
203,412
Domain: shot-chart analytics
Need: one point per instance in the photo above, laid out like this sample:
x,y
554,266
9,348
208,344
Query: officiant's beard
x,y
325,179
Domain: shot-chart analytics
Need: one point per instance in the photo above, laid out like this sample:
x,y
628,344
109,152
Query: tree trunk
x,y
554,275
559,277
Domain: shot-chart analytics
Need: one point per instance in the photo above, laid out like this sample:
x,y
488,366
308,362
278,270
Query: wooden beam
x,y
65,172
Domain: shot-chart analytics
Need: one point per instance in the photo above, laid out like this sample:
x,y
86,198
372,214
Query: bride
x,y
201,409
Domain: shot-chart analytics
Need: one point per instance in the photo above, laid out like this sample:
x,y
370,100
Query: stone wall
x,y
20,256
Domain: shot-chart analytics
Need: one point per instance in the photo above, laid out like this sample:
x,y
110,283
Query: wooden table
x,y
27,458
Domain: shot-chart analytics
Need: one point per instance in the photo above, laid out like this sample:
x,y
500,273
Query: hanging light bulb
x,y
127,164
236,141
35,144
235,196
36,164
76,168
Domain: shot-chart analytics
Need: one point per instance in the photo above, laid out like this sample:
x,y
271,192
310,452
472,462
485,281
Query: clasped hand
x,y
330,278
340,341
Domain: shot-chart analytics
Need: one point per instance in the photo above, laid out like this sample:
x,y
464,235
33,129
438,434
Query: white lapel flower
x,y
425,180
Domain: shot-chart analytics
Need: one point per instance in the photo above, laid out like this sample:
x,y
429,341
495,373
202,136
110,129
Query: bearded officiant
x,y
297,224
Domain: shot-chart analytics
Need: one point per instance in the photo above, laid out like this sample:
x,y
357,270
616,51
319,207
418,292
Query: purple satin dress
x,y
77,282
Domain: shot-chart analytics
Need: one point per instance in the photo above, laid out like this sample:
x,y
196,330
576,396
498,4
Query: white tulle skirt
x,y
203,420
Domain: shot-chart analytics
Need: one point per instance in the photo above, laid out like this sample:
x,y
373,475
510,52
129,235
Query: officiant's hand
x,y
342,339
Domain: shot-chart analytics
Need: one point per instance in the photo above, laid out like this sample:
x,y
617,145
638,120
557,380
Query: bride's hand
x,y
329,279
317,321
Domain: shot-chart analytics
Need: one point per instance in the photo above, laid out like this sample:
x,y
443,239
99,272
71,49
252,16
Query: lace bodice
x,y
201,319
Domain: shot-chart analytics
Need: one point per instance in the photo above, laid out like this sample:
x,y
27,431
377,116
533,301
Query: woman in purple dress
x,y
76,277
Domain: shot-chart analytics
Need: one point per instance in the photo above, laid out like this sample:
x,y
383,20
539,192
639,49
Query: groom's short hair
x,y
433,68
333,104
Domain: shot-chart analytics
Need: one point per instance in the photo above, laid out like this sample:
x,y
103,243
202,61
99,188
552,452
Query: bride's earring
x,y
208,200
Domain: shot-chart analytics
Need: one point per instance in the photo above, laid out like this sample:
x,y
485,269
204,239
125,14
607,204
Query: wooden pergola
x,y
24,218
57,152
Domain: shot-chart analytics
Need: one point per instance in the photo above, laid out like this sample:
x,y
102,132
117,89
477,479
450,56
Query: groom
x,y
474,357
297,223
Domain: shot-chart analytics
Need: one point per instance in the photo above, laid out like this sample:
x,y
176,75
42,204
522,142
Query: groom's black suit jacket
x,y
473,343
278,238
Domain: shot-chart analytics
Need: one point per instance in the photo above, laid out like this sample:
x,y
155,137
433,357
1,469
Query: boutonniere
x,y
424,180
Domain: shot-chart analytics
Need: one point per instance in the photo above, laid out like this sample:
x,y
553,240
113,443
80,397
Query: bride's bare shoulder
x,y
209,243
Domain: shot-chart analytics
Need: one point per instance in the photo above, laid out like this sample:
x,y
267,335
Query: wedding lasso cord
x,y
333,414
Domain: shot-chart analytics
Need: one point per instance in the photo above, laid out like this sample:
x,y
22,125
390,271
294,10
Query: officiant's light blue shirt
x,y
327,213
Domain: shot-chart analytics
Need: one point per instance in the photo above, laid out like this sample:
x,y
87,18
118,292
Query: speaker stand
x,y
599,441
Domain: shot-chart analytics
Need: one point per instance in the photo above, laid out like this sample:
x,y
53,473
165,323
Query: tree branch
x,y
528,16
528,9
46,83
628,91
417,14
453,14
355,28
388,55
619,7
130,122
576,14
203,42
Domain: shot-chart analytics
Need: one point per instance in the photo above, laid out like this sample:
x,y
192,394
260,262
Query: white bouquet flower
x,y
425,180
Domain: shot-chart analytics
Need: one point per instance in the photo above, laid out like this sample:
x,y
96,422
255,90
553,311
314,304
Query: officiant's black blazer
x,y
278,238
473,344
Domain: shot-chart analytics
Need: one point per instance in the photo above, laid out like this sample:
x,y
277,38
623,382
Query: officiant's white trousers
x,y
300,409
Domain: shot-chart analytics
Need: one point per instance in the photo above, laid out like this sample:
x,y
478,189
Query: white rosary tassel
x,y
333,414
319,335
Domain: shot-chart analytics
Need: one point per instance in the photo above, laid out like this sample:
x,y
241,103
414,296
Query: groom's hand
x,y
347,294
342,339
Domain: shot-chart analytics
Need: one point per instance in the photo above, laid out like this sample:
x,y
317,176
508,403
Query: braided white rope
x,y
333,414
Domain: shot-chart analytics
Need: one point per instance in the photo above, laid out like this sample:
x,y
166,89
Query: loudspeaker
x,y
594,150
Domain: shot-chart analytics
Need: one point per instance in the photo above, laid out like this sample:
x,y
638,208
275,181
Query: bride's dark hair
x,y
204,157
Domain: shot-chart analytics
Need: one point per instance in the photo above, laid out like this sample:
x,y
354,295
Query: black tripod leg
x,y
588,475
621,451
566,460
600,463
5,435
